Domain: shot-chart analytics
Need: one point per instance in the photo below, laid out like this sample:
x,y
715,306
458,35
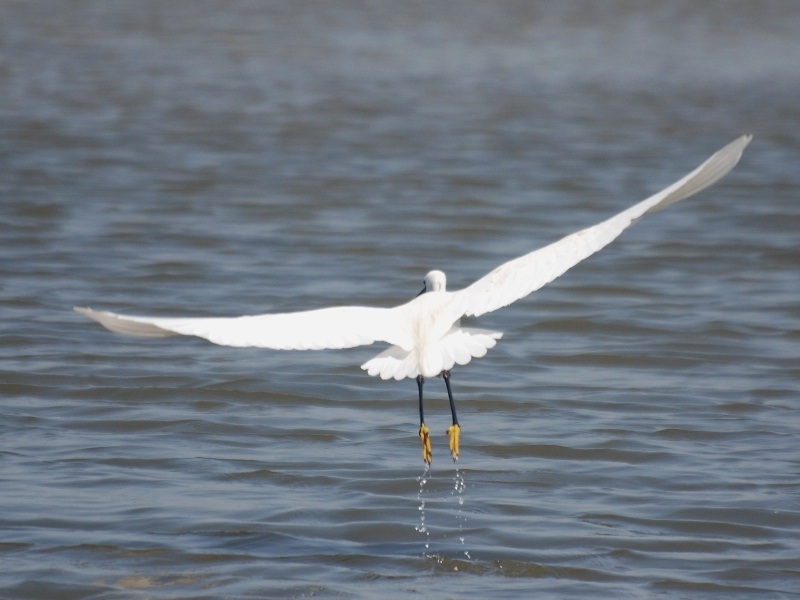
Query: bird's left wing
x,y
336,327
519,277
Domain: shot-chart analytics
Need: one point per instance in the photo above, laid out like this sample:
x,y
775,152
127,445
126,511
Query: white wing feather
x,y
349,326
337,327
519,277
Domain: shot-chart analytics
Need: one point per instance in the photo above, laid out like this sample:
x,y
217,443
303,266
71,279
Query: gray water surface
x,y
635,434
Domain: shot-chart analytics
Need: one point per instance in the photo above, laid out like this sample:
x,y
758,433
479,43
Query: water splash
x,y
457,492
422,528
459,486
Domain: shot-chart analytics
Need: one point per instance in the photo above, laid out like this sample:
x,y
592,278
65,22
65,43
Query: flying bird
x,y
425,335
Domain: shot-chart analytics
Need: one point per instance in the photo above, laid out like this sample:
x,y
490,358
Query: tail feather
x,y
459,347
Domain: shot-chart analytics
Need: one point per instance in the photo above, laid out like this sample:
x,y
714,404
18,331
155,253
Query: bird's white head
x,y
435,281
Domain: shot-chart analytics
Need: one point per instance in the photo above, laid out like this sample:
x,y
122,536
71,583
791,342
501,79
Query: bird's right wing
x,y
519,277
336,327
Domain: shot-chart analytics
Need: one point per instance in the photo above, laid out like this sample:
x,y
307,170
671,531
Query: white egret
x,y
425,335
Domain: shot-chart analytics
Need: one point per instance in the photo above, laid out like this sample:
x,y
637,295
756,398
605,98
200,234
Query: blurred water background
x,y
635,434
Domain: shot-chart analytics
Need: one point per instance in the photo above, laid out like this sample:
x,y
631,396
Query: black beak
x,y
422,291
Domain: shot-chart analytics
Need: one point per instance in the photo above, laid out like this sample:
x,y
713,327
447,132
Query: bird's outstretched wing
x,y
519,277
336,327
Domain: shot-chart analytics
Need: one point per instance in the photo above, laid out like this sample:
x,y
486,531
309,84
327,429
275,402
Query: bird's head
x,y
435,281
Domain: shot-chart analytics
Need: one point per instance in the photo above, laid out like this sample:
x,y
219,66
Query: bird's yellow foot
x,y
454,432
424,435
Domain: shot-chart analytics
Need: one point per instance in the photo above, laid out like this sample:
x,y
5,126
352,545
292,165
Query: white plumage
x,y
424,334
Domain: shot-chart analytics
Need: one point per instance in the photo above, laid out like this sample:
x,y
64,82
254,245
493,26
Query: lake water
x,y
635,434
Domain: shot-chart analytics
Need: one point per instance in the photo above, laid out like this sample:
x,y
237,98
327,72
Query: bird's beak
x,y
422,291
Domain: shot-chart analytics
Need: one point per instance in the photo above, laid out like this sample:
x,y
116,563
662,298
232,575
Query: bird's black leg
x,y
446,377
454,431
420,382
424,432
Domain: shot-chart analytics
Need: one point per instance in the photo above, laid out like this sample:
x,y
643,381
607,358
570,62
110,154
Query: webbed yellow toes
x,y
454,432
424,435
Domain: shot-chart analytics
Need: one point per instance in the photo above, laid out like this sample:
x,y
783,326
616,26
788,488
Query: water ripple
x,y
634,433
